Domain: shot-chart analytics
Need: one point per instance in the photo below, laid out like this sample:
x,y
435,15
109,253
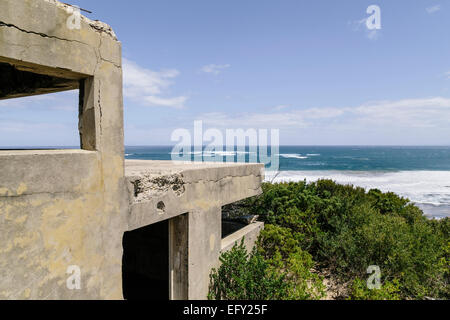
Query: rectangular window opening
x,y
39,108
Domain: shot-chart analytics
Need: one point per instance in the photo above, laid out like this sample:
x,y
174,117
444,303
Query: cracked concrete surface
x,y
95,25
151,185
26,24
9,25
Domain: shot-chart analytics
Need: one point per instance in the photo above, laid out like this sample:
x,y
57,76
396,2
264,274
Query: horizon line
x,y
281,145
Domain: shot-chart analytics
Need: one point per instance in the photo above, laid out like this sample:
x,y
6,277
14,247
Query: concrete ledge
x,y
192,171
160,190
27,172
249,233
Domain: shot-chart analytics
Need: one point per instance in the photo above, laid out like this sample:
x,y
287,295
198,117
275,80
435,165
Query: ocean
x,y
421,174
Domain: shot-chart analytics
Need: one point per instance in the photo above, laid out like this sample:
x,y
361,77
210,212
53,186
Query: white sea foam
x,y
220,153
214,153
422,187
292,155
194,153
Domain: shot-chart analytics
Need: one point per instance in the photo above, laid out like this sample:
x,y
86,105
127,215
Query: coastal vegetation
x,y
324,232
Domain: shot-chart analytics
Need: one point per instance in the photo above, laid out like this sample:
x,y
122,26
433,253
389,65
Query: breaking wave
x,y
292,155
426,188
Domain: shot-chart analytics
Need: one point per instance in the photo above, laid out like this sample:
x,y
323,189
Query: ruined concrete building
x,y
126,229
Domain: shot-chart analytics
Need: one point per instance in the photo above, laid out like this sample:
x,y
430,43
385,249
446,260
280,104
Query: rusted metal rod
x,y
78,8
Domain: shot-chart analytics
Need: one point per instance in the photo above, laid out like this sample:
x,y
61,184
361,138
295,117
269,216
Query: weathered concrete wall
x,y
62,208
249,233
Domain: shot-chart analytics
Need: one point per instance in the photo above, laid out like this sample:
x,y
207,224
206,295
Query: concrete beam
x,y
160,190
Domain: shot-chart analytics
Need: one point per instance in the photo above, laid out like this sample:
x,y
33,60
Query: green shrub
x,y
388,291
346,229
246,277
281,250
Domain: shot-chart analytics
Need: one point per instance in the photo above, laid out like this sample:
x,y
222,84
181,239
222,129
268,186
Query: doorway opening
x,y
145,263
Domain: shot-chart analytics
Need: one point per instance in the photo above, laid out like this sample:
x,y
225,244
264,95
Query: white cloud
x,y
359,25
214,68
23,133
165,102
147,87
405,113
403,121
433,9
408,113
10,126
65,101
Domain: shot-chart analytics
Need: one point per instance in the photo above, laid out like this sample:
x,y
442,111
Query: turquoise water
x,y
421,174
332,158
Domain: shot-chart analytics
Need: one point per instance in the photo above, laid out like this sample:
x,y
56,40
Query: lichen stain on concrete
x,y
4,192
21,189
212,241
27,293
63,240
7,249
65,225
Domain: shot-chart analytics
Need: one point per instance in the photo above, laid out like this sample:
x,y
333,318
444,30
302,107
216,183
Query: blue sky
x,y
311,69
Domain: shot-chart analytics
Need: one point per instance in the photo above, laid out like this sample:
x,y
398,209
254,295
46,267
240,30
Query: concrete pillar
x,y
178,257
204,248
